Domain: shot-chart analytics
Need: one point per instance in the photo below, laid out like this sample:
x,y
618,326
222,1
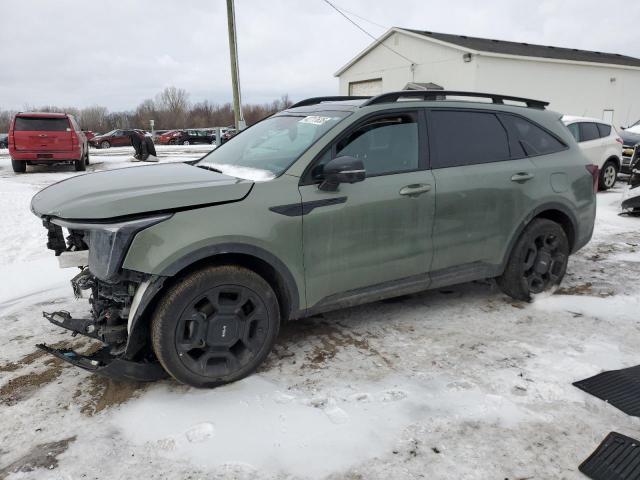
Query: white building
x,y
575,82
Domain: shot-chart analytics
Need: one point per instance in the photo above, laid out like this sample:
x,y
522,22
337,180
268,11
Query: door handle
x,y
415,189
522,177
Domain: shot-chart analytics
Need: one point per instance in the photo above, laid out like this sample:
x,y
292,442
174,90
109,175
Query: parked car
x,y
229,134
157,133
630,138
333,202
114,138
601,144
4,140
46,138
186,137
89,134
167,137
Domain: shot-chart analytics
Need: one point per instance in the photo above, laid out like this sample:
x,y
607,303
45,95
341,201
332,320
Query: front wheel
x,y
105,144
537,262
608,176
186,142
215,326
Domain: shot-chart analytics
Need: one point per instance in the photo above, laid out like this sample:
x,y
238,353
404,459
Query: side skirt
x,y
404,286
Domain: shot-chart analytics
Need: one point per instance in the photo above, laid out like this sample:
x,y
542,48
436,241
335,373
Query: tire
x,y
186,142
19,166
215,326
80,165
86,157
608,175
538,260
105,144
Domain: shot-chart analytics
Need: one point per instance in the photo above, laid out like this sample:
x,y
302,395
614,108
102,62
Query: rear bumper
x,y
67,156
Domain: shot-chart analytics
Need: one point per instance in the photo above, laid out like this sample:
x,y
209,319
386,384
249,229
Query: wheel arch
x,y
555,212
262,262
615,159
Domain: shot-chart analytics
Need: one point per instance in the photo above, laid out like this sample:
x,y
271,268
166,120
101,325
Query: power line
x,y
385,27
378,42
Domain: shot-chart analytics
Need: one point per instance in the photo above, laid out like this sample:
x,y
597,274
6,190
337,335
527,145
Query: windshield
x,y
269,147
108,133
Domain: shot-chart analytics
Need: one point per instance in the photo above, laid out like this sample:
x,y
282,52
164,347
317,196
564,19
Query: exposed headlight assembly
x,y
109,242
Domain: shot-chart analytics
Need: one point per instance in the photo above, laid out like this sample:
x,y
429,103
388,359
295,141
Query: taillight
x,y
594,170
11,139
619,140
74,139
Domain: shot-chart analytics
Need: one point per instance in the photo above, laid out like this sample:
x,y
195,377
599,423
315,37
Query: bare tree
x,y
94,118
170,109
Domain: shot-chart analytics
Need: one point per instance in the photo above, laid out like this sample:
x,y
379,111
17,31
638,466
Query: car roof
x,y
574,118
42,114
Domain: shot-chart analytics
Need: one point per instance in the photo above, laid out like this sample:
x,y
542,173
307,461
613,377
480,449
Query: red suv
x,y
46,138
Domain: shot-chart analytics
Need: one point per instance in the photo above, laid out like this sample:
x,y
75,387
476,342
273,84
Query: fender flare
x,y
533,214
242,249
156,283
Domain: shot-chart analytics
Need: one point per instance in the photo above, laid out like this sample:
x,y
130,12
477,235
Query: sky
x,y
116,53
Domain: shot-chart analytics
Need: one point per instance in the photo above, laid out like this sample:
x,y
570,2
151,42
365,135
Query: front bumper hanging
x,y
105,364
101,362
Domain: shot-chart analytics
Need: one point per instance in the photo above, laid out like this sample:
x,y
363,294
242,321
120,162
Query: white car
x,y
600,143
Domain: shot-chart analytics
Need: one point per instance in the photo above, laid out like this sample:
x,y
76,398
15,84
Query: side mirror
x,y
342,170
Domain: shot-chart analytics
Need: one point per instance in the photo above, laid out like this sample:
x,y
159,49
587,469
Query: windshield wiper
x,y
208,167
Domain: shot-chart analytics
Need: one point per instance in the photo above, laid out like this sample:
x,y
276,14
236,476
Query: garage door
x,y
366,87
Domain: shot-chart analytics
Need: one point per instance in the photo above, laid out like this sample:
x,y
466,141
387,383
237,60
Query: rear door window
x,y
588,131
40,124
466,138
531,138
603,130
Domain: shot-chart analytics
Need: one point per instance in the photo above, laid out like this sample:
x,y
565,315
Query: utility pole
x,y
235,73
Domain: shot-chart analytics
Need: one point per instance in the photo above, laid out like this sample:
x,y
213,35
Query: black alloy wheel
x,y
215,326
538,260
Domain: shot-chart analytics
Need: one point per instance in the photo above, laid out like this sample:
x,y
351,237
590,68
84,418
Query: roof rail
x,y
335,98
442,94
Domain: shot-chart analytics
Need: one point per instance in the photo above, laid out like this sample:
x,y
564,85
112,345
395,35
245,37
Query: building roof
x,y
528,49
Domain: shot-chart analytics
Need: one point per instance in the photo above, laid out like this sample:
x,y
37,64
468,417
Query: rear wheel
x,y
608,175
80,165
215,326
186,142
105,144
19,166
86,157
537,262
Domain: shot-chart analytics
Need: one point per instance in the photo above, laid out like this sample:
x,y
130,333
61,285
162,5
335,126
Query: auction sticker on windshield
x,y
315,119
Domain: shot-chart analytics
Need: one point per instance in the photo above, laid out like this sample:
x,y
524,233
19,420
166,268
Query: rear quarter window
x,y
531,138
39,124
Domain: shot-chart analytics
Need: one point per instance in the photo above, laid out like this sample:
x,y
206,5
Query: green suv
x,y
334,202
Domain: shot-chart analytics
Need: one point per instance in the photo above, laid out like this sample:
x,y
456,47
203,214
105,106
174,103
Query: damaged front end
x,y
117,297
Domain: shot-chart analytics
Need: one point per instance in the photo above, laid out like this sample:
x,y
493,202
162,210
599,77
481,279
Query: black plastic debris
x,y
616,458
621,388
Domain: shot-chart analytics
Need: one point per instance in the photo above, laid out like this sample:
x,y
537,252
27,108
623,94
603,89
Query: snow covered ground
x,y
460,383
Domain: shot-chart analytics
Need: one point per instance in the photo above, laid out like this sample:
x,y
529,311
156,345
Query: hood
x,y
629,138
137,190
